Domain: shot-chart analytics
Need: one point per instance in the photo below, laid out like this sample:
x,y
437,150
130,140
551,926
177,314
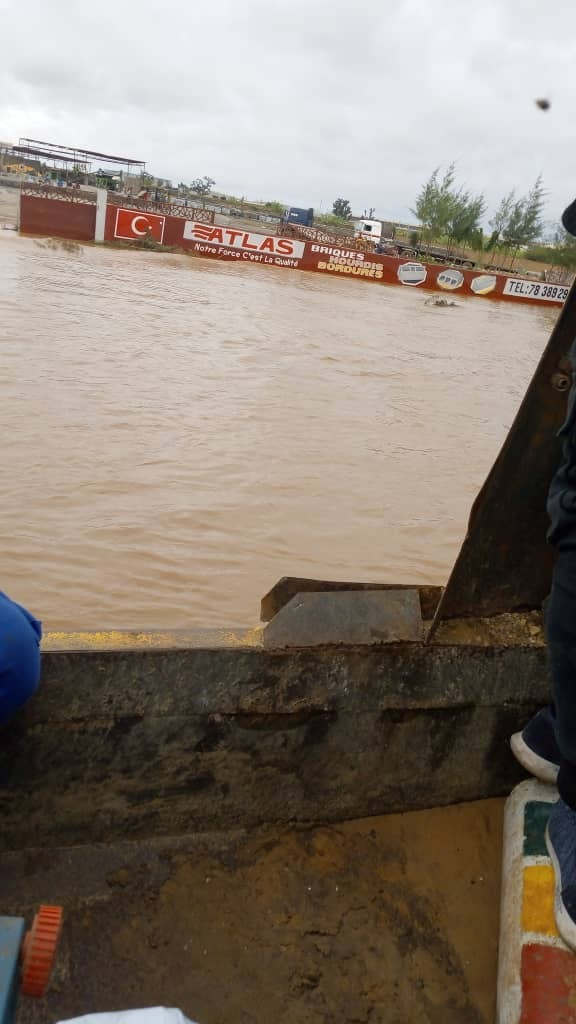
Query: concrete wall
x,y
131,743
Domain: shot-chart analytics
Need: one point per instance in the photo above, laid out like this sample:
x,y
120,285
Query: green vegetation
x,y
77,175
202,186
275,208
451,215
517,222
330,220
560,252
448,212
341,208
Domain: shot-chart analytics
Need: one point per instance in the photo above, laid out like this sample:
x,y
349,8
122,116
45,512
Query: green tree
x,y
531,224
498,224
565,251
502,214
341,208
464,219
559,252
435,204
202,186
446,204
77,174
518,222
512,230
425,206
447,211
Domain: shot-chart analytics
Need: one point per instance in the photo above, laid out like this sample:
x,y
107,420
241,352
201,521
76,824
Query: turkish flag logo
x,y
132,224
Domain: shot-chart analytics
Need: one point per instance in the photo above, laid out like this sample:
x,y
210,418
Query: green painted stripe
x,y
535,818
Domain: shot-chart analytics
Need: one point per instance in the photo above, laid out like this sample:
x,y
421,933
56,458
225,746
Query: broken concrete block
x,y
347,617
288,586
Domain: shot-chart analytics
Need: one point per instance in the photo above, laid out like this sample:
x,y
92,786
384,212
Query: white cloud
x,y
303,100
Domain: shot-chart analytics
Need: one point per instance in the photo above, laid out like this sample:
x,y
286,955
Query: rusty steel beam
x,y
505,564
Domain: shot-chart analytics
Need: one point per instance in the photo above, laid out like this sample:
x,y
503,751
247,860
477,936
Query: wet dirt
x,y
385,920
518,629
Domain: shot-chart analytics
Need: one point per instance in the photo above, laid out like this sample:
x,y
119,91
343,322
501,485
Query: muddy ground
x,y
389,920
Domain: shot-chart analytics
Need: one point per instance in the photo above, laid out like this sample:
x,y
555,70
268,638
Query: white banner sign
x,y
249,241
535,290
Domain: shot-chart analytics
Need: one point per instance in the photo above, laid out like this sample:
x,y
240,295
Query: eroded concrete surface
x,y
127,744
391,919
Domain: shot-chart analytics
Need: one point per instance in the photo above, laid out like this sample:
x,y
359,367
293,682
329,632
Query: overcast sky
x,y
303,100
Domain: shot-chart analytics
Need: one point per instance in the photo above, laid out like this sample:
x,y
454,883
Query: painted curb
x,y
536,970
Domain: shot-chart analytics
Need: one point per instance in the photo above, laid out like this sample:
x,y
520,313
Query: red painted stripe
x,y
548,985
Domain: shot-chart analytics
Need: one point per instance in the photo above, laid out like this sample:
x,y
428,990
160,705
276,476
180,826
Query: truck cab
x,y
370,229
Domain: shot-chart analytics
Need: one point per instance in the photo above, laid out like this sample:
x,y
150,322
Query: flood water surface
x,y
178,434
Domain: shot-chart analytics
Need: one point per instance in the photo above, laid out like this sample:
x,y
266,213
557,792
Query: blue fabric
x,y
561,635
561,611
561,502
562,835
20,635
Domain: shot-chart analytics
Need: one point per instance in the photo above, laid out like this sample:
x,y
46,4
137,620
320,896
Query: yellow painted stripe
x,y
538,899
115,640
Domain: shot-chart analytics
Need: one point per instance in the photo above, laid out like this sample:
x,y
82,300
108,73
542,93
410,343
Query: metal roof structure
x,y
73,154
46,155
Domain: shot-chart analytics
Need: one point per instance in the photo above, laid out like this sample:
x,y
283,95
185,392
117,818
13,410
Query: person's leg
x,y
561,637
550,737
561,831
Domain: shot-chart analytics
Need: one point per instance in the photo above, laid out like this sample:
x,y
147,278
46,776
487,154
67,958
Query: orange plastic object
x,y
39,950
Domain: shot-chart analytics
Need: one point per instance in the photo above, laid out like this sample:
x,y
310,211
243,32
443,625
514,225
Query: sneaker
x,y
561,844
536,748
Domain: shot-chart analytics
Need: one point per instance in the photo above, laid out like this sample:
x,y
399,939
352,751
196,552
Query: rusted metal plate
x,y
286,588
361,617
505,564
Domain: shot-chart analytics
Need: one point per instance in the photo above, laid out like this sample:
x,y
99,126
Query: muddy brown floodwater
x,y
177,434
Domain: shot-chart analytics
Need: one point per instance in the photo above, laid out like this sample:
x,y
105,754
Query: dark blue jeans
x,y
561,633
561,613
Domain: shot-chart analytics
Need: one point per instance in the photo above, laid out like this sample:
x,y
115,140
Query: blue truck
x,y
296,215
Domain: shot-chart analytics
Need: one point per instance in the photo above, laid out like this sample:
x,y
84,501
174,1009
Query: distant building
x,y
20,169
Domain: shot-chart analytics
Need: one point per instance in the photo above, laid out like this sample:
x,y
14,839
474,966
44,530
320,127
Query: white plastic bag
x,y
150,1015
